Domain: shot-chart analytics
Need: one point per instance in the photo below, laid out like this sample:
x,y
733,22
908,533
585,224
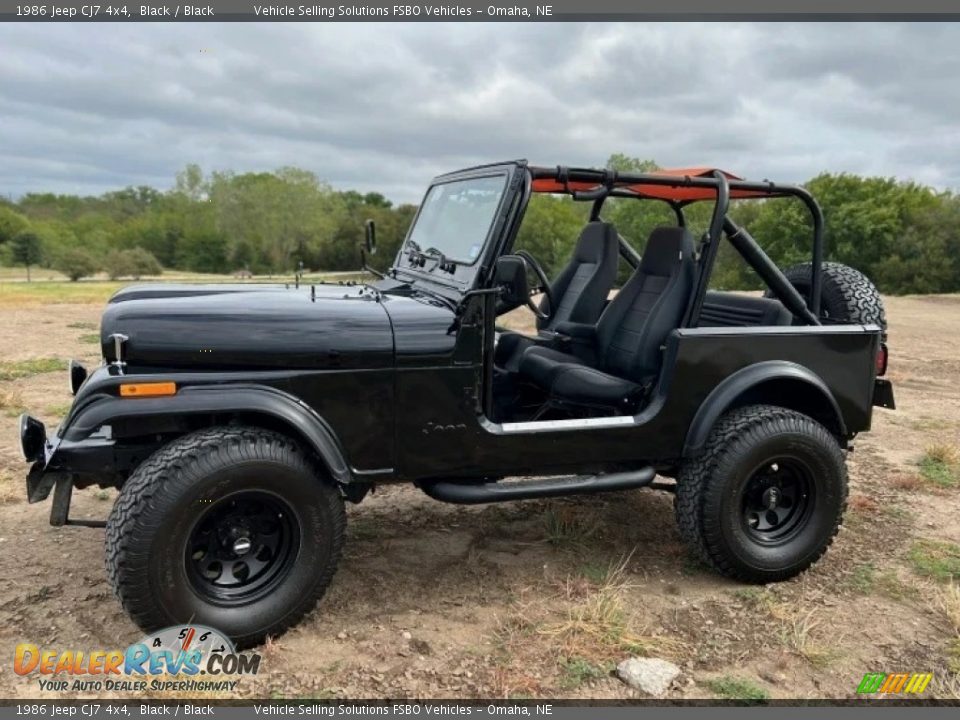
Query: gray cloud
x,y
88,108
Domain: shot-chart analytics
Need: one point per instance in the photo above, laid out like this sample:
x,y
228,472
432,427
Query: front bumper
x,y
91,458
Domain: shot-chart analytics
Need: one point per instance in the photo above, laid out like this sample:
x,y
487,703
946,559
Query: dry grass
x,y
580,629
907,481
863,504
11,489
797,634
949,601
11,401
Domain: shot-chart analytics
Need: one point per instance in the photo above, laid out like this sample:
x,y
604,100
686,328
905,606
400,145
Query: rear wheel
x,y
229,527
765,498
846,295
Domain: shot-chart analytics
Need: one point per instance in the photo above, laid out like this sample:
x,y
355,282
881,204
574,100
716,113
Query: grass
x,y
796,634
734,688
864,578
577,671
11,402
45,293
90,339
564,526
950,605
936,559
26,368
59,410
940,465
82,326
11,490
889,583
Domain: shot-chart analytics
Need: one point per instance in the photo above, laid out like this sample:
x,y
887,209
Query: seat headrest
x,y
592,245
665,249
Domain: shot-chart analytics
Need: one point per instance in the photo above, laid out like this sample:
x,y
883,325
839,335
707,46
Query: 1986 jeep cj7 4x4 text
x,y
237,419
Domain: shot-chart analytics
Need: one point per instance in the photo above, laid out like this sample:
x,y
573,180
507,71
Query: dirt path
x,y
542,598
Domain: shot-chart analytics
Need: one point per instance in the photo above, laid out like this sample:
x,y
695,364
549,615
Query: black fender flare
x,y
733,387
293,413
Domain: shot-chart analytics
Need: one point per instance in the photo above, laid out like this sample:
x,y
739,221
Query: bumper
x,y
883,394
55,457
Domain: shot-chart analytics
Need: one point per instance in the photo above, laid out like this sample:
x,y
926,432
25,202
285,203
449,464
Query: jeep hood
x,y
265,327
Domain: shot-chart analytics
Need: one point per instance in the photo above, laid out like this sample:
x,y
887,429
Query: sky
x,y
87,108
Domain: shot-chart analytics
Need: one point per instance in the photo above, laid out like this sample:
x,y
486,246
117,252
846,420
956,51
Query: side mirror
x,y
510,275
370,239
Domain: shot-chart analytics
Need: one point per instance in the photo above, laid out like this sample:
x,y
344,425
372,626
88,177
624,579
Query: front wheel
x,y
229,527
765,498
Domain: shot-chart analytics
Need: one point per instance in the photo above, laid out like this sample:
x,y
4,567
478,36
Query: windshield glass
x,y
456,216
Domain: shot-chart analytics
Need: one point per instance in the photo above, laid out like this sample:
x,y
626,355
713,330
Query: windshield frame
x,y
464,273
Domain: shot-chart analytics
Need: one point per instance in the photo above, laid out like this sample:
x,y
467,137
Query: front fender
x,y
804,389
149,415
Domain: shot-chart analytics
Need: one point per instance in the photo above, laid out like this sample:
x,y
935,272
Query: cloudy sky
x,y
89,108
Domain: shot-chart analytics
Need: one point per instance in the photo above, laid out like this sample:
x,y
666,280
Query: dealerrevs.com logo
x,y
894,683
182,658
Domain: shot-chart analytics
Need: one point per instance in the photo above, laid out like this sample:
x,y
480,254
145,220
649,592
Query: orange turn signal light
x,y
154,389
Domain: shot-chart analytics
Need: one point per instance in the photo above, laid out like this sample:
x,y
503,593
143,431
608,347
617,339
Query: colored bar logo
x,y
894,683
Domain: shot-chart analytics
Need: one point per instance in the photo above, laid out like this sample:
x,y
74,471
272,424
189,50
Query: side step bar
x,y
463,493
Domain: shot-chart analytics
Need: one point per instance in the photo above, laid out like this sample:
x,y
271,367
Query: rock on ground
x,y
650,675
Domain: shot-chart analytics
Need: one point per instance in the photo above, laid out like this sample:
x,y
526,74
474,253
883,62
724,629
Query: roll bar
x,y
610,183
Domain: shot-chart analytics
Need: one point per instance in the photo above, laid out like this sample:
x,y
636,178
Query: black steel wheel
x,y
764,499
776,499
242,547
235,528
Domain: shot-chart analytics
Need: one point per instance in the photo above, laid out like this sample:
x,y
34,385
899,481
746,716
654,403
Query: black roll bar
x,y
756,258
692,315
716,181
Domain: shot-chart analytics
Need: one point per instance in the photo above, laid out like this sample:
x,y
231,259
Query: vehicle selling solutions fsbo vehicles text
x,y
404,11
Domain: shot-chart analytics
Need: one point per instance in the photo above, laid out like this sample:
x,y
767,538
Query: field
x,y
540,599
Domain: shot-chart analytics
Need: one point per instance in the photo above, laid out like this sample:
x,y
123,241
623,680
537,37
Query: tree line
x,y
903,235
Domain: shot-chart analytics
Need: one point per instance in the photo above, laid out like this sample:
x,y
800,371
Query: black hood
x,y
249,326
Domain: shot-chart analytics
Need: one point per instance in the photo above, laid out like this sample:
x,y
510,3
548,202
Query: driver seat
x,y
580,290
628,337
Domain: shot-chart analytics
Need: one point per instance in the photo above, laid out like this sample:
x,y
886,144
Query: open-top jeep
x,y
237,419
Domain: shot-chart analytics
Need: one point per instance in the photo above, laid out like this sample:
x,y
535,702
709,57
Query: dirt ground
x,y
542,599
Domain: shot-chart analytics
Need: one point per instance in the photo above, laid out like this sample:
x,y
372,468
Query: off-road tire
x,y
164,499
710,487
846,295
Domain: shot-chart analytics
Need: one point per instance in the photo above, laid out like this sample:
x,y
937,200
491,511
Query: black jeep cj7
x,y
236,419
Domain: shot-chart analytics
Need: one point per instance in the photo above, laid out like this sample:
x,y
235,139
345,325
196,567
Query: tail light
x,y
882,359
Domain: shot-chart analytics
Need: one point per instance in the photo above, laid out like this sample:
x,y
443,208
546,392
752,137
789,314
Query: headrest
x,y
664,248
594,242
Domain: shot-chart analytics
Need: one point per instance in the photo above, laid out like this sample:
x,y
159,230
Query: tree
x,y
12,224
134,263
27,250
75,263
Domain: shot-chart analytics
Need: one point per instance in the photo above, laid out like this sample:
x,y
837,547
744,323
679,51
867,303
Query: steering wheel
x,y
544,286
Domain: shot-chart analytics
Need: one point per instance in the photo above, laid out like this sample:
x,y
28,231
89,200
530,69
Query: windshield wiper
x,y
443,262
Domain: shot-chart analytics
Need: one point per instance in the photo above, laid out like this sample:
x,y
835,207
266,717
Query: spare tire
x,y
846,295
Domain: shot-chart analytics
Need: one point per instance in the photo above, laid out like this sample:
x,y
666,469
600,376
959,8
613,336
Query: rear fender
x,y
148,416
775,382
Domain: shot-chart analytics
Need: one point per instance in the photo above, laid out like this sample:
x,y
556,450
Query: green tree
x,y
27,250
75,263
12,224
134,263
